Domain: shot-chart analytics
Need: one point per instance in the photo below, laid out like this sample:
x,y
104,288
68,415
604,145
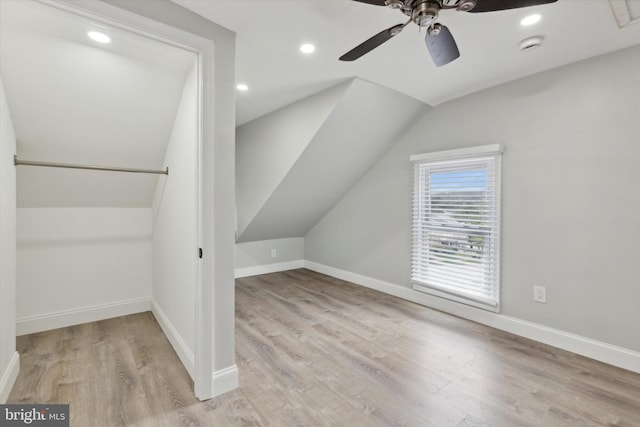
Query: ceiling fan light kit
x,y
439,40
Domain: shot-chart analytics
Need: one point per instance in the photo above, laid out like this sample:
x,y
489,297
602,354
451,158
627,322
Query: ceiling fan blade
x,y
375,2
495,5
372,43
443,47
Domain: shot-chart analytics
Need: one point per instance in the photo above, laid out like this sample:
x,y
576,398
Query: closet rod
x,y
89,167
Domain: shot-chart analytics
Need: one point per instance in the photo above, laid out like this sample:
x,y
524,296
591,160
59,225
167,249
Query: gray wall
x,y
571,203
7,247
253,254
79,259
175,226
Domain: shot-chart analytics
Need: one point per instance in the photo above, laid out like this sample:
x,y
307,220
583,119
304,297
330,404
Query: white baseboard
x,y
45,322
182,350
603,352
9,376
268,268
225,380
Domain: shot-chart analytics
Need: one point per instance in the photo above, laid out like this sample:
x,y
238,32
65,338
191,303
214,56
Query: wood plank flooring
x,y
317,351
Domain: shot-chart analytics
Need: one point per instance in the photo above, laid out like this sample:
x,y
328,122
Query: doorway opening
x,y
98,244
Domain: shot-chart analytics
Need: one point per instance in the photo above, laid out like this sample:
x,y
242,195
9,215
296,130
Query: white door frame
x,y
113,16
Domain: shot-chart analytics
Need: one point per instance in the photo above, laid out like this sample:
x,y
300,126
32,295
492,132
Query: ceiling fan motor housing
x,y
409,6
423,14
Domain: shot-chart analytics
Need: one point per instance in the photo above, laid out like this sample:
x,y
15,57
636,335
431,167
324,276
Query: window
x,y
456,225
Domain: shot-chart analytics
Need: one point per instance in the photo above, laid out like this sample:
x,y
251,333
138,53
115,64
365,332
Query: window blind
x,y
456,224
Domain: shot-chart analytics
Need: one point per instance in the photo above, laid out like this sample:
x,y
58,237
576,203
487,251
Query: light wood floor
x,y
316,351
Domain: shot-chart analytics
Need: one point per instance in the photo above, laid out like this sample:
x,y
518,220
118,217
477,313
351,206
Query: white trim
x,y
114,16
453,297
202,387
9,376
268,268
204,341
603,352
182,350
77,316
458,153
225,380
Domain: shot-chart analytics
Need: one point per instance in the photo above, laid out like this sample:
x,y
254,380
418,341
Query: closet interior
x,y
107,172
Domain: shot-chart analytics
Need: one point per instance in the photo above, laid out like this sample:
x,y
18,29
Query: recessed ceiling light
x,y
530,20
242,87
307,48
99,37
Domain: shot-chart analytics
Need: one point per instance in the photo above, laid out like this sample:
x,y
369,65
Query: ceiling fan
x,y
424,13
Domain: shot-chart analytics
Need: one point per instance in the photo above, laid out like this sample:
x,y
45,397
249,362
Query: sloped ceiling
x,y
74,101
267,148
365,122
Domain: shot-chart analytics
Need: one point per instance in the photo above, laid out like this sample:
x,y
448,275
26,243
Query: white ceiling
x,y
269,33
74,101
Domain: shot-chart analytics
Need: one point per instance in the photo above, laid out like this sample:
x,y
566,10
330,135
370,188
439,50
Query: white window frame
x,y
492,153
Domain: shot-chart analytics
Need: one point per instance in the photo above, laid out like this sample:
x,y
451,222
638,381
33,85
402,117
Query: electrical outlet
x,y
274,253
540,294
